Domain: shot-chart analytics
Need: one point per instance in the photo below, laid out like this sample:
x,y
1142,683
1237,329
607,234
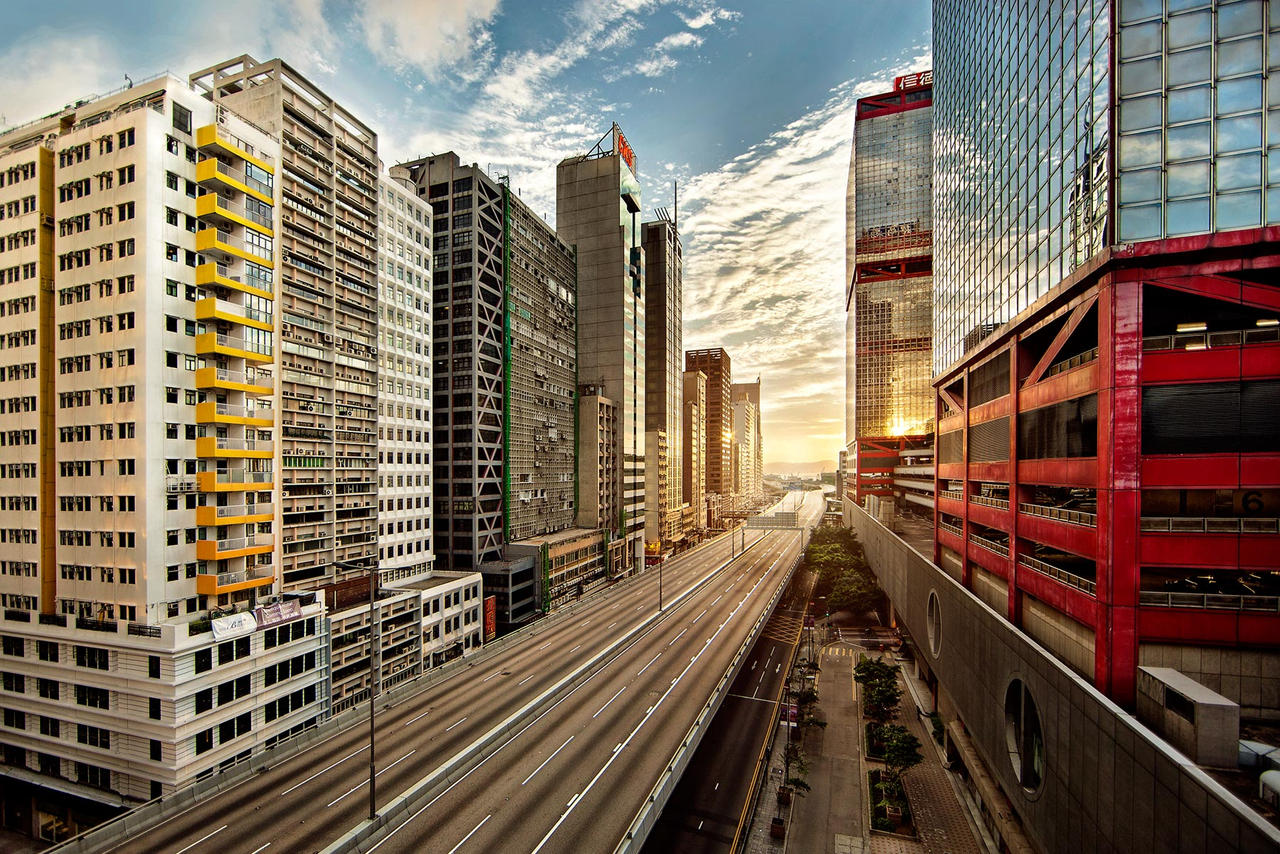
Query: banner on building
x,y
233,625
490,617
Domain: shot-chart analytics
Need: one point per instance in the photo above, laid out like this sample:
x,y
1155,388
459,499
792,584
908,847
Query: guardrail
x,y
1062,514
1210,525
1210,601
1070,578
998,548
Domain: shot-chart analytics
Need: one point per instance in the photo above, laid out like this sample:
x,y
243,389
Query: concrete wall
x,y
1251,677
1109,783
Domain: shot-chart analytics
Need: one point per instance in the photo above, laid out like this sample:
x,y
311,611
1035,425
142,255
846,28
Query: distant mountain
x,y
806,469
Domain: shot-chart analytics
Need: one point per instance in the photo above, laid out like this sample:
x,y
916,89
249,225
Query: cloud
x,y
428,35
709,16
660,60
764,268
69,66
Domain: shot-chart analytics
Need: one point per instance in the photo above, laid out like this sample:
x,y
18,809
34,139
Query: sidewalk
x,y
831,817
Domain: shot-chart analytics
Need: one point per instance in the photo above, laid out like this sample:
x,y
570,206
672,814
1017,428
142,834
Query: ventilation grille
x,y
1067,429
1211,418
950,447
989,441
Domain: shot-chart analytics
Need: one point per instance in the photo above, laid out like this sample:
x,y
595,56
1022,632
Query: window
x,y
155,750
181,118
15,719
47,650
94,698
153,708
51,727
12,646
204,659
13,682
229,651
204,700
153,666
47,688
93,736
124,138
92,775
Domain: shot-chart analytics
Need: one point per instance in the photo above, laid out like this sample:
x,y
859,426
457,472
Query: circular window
x,y
1024,736
934,624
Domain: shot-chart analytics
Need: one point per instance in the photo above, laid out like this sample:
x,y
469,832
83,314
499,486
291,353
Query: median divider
x,y
153,813
400,810
647,817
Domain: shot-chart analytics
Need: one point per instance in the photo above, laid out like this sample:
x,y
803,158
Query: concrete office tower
x,y
889,282
597,212
664,375
404,384
714,362
747,440
656,450
693,465
1104,341
139,362
504,376
326,398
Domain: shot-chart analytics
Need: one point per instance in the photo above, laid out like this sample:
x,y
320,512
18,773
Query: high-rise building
x,y
749,472
664,380
693,467
715,364
143,640
889,281
504,368
597,212
327,394
404,385
1106,321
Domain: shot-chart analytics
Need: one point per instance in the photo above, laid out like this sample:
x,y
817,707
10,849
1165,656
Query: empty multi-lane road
x,y
569,777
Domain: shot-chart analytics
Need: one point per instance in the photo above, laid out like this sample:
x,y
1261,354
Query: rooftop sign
x,y
908,82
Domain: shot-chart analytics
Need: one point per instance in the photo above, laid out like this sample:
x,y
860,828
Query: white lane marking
x,y
717,599
524,680
201,839
544,646
677,637
607,702
452,725
646,667
611,625
776,669
700,825
417,718
490,676
321,771
472,833
754,663
366,782
617,751
583,623
576,648
717,786
264,847
700,616
548,759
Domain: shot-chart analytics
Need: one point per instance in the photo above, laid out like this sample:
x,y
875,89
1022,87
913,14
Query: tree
x,y
901,751
854,592
880,689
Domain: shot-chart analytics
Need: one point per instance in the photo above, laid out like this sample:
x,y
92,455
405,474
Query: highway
x,y
309,801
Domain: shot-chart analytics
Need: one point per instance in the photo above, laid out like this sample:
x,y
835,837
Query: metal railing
x,y
252,541
1073,362
253,574
955,529
242,211
1079,582
998,503
953,494
1210,525
180,483
226,511
244,476
1061,514
225,444
1218,601
998,548
241,311
1209,340
261,379
240,344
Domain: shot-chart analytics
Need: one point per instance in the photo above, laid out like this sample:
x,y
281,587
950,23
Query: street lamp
x,y
375,643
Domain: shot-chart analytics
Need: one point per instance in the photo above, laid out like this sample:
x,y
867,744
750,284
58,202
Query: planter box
x,y
778,829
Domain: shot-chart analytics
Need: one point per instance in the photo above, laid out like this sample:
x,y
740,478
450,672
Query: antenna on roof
x,y
128,81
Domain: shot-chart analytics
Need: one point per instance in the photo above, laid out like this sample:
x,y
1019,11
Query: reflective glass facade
x,y
889,245
1198,122
1021,136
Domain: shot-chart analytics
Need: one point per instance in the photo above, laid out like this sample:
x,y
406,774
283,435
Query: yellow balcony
x,y
232,345
212,137
209,584
212,206
212,412
234,514
233,547
244,449
213,173
212,308
235,481
212,273
215,242
258,383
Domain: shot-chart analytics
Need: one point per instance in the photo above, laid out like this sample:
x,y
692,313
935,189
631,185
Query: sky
x,y
747,105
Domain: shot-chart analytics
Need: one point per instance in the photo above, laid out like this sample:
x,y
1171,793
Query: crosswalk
x,y
836,651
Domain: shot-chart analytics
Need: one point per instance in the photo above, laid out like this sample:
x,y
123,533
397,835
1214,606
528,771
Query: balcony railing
x,y
1062,514
260,378
954,529
1206,601
224,444
228,511
1073,362
1209,340
240,576
253,541
235,410
253,281
1210,525
987,501
247,313
998,548
1088,585
243,476
238,175
241,211
180,483
236,343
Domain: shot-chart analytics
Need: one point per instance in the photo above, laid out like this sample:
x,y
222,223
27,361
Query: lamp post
x,y
375,642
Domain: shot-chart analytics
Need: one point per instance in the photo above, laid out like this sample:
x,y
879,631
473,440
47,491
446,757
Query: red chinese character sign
x,y
909,82
623,148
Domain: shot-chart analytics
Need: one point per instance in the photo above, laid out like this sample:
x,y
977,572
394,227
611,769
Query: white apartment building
x,y
143,643
404,383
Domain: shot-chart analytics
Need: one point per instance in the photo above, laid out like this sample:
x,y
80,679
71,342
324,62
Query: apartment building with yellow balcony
x,y
144,639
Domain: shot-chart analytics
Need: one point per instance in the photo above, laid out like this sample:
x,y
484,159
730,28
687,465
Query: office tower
x,y
656,472
142,643
715,363
889,280
749,474
404,385
1106,317
693,468
663,375
504,363
597,212
327,395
